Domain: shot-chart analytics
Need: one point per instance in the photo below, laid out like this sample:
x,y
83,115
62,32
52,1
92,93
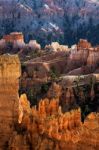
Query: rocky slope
x,y
83,59
65,21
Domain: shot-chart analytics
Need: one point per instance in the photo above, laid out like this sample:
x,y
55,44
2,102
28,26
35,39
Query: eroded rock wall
x,y
9,74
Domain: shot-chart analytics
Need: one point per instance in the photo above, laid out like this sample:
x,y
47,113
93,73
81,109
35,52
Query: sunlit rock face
x,y
55,47
24,107
13,37
93,57
47,120
80,59
79,55
9,101
83,44
14,43
83,59
33,44
46,127
16,38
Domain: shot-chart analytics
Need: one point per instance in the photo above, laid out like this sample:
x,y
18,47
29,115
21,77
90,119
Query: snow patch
x,y
54,26
46,6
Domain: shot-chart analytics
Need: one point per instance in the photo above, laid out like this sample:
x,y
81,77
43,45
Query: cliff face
x,y
9,74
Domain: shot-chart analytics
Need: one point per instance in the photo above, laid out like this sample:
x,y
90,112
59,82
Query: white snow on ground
x,y
46,6
54,26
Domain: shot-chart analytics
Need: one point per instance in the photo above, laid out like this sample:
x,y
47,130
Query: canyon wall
x,y
9,75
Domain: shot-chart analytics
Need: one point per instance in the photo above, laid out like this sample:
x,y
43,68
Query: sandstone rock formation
x,y
16,39
54,91
83,44
81,59
77,60
34,45
55,121
93,57
9,100
55,46
13,37
24,107
14,43
46,127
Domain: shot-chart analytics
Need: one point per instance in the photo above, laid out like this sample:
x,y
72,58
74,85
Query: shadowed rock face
x,y
9,74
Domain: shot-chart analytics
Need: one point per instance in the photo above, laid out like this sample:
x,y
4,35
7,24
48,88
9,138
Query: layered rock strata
x,y
12,37
9,74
